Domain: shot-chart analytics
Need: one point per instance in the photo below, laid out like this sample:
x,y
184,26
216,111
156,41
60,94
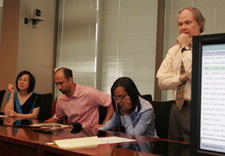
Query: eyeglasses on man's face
x,y
119,97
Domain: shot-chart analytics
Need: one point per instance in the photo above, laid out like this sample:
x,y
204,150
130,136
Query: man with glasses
x,y
78,103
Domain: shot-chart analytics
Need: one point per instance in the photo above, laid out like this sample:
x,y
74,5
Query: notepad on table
x,y
49,125
79,142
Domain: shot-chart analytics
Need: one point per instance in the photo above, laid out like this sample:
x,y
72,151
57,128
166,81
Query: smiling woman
x,y
132,111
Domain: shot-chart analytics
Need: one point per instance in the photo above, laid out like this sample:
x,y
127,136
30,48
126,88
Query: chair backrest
x,y
147,97
46,101
162,115
2,93
102,114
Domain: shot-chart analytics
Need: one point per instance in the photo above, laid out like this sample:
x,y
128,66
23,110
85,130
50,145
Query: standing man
x,y
78,103
190,23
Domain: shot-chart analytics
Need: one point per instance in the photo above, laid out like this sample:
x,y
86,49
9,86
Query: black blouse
x,y
27,106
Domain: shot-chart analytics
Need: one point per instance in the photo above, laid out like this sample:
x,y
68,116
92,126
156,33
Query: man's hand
x,y
184,40
183,77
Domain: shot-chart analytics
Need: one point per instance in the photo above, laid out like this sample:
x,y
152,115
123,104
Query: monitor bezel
x,y
198,42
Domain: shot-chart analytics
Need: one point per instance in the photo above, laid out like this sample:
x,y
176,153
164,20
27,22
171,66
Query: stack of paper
x,y
79,142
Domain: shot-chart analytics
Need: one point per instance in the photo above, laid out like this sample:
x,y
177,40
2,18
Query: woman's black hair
x,y
132,91
31,80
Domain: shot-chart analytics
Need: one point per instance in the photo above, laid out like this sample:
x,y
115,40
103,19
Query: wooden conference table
x,y
22,140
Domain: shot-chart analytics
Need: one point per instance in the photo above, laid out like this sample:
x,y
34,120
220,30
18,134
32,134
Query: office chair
x,y
102,113
2,93
147,97
46,101
162,115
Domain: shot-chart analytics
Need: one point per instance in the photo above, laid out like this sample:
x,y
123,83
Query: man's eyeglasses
x,y
119,97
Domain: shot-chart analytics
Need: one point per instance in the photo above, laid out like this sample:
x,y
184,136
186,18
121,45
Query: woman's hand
x,y
97,126
126,112
9,121
11,113
11,88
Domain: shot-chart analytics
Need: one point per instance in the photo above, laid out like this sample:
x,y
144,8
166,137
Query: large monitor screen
x,y
208,95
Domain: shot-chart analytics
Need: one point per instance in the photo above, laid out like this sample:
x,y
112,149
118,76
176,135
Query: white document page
x,y
89,141
114,139
78,142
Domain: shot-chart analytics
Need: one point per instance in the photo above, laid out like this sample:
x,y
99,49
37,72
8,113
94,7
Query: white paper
x,y
79,142
114,139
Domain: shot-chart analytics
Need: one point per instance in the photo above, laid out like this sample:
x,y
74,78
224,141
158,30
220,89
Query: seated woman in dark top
x,y
132,111
24,103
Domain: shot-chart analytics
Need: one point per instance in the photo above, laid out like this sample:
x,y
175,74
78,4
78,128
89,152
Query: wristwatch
x,y
185,49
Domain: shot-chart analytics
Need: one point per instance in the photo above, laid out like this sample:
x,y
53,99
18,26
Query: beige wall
x,y
27,48
36,45
9,44
0,21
